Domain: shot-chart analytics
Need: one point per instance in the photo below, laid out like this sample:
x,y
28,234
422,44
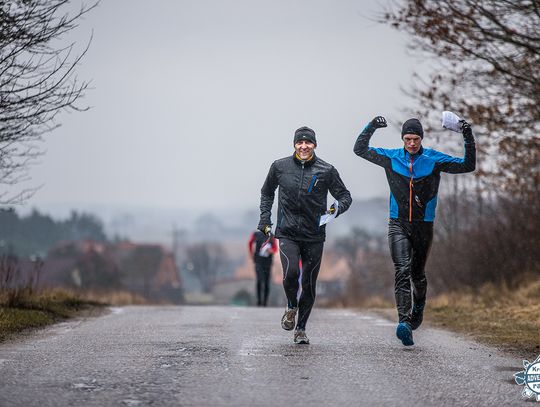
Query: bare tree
x,y
37,81
369,265
205,261
488,52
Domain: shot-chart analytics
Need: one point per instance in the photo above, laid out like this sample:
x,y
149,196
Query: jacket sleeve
x,y
274,249
339,191
455,165
267,197
375,155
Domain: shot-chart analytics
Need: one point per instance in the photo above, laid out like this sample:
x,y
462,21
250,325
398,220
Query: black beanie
x,y
412,126
304,133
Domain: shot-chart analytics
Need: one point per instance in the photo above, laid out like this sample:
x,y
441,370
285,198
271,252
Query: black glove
x,y
379,122
266,229
466,130
332,209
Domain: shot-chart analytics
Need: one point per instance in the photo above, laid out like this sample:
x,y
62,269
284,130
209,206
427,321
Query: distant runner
x,y
304,181
413,174
262,249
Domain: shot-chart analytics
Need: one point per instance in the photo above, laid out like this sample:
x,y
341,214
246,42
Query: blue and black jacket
x,y
414,179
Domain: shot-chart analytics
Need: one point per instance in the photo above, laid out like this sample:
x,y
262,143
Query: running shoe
x,y
417,316
300,337
404,333
288,319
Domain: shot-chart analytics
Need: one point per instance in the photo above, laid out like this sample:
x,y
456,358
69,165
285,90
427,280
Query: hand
x,y
266,229
465,127
332,209
466,130
379,122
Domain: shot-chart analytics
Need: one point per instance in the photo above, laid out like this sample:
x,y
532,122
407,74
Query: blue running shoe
x,y
404,334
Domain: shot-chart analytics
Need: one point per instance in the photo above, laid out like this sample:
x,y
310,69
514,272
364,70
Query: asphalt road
x,y
227,356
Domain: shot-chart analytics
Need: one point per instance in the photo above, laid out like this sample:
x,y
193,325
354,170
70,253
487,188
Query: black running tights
x,y
291,252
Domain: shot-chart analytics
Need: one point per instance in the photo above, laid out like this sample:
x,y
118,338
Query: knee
x,y
403,277
419,280
291,276
309,289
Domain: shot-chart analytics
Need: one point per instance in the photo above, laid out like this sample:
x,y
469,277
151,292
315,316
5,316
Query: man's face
x,y
412,143
304,149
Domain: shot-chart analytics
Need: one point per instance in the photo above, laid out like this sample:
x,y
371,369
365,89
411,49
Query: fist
x,y
465,128
379,122
266,229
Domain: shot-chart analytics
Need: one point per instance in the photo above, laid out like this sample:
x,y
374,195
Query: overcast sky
x,y
193,100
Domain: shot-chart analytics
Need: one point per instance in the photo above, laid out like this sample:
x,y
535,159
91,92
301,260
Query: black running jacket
x,y
302,197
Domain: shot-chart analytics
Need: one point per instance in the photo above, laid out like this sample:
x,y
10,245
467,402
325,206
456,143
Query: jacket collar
x,y
306,163
418,154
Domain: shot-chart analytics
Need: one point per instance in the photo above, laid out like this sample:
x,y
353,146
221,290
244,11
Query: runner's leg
x,y
422,237
400,250
290,256
266,283
311,254
259,272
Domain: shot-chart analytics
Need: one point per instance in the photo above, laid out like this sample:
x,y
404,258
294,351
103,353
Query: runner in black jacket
x,y
413,174
304,181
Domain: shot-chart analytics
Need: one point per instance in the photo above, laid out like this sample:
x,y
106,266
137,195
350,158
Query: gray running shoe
x,y
288,319
300,337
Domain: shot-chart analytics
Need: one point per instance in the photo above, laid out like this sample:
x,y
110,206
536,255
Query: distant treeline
x,y
36,233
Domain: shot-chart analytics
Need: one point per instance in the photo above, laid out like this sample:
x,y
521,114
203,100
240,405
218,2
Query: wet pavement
x,y
229,356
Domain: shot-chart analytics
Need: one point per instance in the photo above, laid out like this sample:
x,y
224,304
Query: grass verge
x,y
34,310
498,316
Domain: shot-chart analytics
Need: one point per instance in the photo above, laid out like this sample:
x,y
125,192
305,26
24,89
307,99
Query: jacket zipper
x,y
301,181
410,189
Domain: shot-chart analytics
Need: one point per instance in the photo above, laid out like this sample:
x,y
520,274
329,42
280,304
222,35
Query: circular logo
x,y
532,377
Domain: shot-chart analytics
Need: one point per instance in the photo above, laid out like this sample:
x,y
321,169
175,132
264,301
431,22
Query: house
x,y
145,269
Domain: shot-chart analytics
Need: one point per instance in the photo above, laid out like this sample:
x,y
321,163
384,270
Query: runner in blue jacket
x,y
413,173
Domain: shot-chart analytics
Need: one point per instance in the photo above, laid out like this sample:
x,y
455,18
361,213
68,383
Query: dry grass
x,y
23,308
116,298
33,310
498,316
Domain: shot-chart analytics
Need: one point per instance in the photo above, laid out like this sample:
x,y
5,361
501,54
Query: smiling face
x,y
304,149
412,143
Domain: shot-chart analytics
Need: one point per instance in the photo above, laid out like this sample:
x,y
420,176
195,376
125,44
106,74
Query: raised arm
x,y
455,165
362,149
267,199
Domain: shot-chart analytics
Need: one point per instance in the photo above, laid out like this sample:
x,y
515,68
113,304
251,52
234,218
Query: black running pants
x,y
291,252
409,246
263,272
